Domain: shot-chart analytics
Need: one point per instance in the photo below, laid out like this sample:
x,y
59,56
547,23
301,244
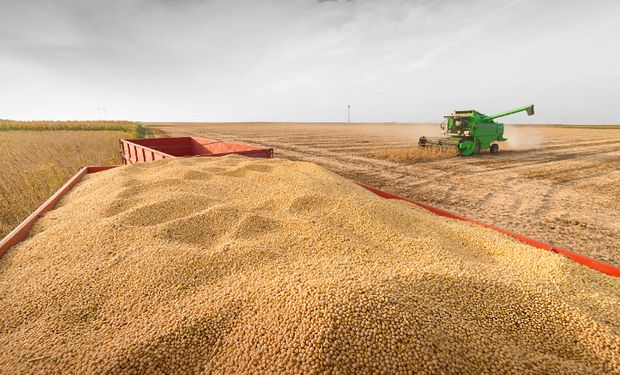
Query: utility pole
x,y
349,113
99,111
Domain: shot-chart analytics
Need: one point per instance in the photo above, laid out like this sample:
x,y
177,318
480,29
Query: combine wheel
x,y
494,148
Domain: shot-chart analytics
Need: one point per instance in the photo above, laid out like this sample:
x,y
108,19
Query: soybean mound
x,y
250,265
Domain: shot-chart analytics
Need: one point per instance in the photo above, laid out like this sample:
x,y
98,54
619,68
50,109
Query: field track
x,y
560,185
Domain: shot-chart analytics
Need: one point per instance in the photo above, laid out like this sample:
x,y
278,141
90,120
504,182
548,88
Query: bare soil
x,y
557,184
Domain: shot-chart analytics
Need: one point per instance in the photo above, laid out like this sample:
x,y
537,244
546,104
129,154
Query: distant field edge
x,y
136,129
258,123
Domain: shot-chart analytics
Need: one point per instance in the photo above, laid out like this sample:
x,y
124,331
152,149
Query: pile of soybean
x,y
252,265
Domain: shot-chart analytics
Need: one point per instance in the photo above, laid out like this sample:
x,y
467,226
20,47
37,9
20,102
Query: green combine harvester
x,y
471,131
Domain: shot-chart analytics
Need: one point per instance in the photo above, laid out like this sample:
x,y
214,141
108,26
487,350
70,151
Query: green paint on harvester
x,y
471,131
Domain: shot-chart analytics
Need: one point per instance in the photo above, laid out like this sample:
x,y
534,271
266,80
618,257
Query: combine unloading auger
x,y
472,131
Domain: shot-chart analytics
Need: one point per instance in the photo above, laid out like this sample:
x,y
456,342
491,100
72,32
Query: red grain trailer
x,y
21,231
151,149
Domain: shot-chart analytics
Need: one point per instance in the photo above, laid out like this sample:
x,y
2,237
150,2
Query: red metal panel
x,y
178,146
186,146
583,260
132,152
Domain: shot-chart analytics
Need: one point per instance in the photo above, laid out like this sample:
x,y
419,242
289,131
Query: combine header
x,y
471,131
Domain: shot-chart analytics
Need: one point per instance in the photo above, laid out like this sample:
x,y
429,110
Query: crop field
x,y
35,163
557,184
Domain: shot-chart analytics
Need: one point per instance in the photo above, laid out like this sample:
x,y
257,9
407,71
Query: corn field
x,y
122,126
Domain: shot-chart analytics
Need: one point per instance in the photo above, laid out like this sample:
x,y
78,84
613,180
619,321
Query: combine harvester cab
x,y
471,131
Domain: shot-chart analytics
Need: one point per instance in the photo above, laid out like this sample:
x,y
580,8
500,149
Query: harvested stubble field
x,y
35,162
265,265
553,183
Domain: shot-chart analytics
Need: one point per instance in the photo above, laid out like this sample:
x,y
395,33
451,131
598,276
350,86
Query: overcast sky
x,y
305,60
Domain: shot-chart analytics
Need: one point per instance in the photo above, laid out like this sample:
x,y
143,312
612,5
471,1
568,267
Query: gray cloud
x,y
393,60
